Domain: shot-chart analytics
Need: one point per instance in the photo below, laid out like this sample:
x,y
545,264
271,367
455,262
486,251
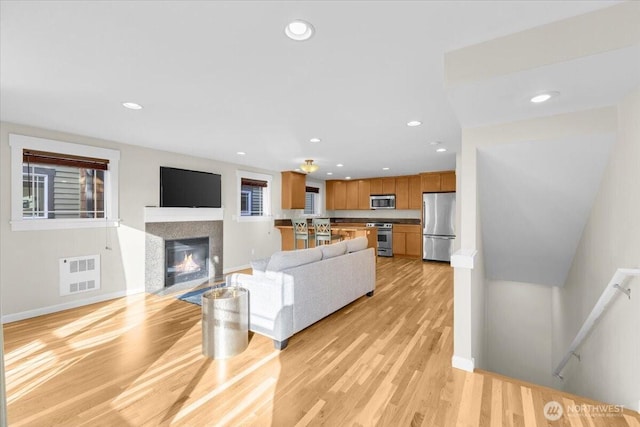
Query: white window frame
x,y
266,200
18,143
45,182
319,201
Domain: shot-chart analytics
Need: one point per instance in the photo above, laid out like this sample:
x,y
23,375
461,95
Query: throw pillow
x,y
330,251
289,259
357,244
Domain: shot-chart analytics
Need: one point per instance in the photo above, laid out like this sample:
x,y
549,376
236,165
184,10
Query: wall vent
x,y
79,274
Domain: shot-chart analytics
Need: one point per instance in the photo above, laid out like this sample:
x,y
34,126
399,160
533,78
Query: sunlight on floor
x,y
270,384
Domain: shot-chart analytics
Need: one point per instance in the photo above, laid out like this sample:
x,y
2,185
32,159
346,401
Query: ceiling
x,y
220,77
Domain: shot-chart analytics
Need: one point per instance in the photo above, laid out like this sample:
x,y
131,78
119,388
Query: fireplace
x,y
186,260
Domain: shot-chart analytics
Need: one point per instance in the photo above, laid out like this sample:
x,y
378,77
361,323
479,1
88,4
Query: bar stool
x,y
300,232
322,227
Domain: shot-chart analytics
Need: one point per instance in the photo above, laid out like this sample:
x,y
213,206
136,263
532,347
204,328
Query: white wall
x,y
519,330
609,369
29,262
469,285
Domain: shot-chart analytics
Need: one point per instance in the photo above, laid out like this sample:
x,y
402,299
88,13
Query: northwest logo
x,y
553,411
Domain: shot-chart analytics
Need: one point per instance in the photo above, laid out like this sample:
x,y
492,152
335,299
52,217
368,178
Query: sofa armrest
x,y
270,303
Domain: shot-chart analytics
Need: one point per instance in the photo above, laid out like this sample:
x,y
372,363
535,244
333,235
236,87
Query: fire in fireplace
x,y
186,260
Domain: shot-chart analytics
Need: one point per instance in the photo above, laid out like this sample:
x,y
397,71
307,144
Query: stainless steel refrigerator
x,y
438,231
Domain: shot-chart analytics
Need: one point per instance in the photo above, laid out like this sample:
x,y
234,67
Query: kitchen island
x,y
346,231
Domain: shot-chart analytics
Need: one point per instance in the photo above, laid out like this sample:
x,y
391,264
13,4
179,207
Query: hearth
x,y
186,260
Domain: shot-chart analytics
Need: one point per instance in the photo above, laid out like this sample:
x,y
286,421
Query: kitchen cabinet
x,y
352,194
448,181
364,191
339,195
435,182
402,192
388,186
407,240
376,186
415,192
329,205
293,190
399,243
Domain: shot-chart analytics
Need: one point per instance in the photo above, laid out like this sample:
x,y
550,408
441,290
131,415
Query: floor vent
x,y
79,274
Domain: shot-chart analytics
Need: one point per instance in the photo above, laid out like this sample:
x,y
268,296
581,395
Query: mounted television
x,y
181,188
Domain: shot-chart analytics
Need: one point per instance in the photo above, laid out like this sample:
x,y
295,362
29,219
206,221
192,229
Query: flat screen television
x,y
181,188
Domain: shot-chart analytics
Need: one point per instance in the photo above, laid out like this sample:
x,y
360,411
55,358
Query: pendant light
x,y
309,167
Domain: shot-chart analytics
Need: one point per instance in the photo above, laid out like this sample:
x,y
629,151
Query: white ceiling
x,y
220,77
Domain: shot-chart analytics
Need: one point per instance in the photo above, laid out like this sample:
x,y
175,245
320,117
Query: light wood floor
x,y
380,361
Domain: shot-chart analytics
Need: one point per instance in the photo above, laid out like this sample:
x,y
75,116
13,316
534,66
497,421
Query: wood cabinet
x,y
407,240
435,182
364,191
329,205
339,195
293,190
376,186
352,194
388,186
402,192
448,181
415,192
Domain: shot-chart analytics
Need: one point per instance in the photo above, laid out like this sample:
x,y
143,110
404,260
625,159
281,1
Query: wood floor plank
x,y
384,360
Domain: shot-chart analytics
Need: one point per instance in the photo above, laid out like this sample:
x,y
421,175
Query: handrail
x,y
613,288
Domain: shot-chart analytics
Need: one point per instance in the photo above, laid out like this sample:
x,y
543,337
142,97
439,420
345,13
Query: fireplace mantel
x,y
153,214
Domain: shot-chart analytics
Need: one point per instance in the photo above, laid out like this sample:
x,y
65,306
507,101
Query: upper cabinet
x,y
402,192
351,194
435,182
415,192
375,186
293,190
364,191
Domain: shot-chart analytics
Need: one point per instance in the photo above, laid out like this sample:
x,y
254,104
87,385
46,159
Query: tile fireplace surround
x,y
174,224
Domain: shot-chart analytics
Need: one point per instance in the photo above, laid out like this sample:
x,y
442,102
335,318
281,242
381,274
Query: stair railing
x,y
613,289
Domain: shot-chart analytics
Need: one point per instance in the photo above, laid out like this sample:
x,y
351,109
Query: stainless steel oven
x,y
385,237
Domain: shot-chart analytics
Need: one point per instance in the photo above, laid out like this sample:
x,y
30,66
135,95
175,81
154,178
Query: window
x,y
254,196
312,201
62,185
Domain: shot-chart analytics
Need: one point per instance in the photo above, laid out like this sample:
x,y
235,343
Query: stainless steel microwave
x,y
385,201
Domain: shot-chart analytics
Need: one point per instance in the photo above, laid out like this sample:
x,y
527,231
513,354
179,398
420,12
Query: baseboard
x,y
235,269
463,363
68,305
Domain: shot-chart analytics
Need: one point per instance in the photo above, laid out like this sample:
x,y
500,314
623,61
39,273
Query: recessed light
x,y
299,30
542,97
339,165
298,170
441,150
347,177
435,143
329,173
413,123
315,140
132,105
385,169
241,153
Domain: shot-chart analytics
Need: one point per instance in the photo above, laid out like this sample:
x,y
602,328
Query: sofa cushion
x,y
357,244
330,251
288,259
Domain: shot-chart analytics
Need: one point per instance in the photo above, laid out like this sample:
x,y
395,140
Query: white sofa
x,y
294,289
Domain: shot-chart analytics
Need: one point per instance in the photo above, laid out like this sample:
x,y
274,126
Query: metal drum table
x,y
225,322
